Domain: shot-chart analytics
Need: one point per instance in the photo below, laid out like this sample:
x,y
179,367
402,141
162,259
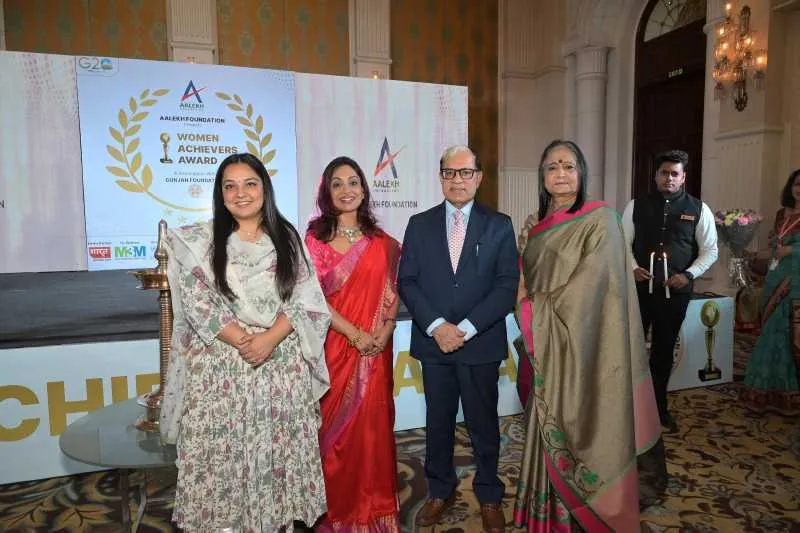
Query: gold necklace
x,y
249,235
351,234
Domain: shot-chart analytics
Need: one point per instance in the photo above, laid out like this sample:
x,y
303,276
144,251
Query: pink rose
x,y
743,220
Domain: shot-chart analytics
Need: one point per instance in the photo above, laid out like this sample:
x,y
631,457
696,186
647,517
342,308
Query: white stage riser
x,y
44,389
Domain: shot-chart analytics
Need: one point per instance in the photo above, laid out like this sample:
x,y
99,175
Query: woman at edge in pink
x,y
356,264
591,409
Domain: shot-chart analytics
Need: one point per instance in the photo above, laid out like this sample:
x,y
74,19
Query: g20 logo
x,y
96,64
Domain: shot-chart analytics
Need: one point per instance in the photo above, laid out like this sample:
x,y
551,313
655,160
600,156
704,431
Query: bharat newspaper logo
x,y
385,175
100,252
191,97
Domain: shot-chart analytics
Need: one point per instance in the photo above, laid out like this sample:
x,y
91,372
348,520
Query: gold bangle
x,y
355,339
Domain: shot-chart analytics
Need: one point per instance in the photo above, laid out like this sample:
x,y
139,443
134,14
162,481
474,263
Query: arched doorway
x,y
669,89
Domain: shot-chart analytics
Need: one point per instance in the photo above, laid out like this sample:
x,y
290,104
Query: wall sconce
x,y
736,57
376,75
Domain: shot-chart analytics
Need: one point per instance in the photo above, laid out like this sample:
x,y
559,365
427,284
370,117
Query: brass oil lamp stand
x,y
156,279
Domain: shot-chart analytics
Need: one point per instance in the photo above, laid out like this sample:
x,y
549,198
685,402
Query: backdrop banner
x,y
152,136
396,131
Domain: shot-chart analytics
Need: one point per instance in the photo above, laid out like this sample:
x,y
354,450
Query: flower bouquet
x,y
736,228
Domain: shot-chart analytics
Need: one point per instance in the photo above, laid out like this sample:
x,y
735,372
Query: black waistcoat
x,y
666,224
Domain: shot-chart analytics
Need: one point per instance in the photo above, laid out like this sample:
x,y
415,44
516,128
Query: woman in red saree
x,y
591,409
356,263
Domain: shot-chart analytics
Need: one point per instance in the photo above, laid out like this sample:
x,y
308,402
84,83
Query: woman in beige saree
x,y
591,409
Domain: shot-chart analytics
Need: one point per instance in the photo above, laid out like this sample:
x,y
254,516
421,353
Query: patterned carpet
x,y
729,472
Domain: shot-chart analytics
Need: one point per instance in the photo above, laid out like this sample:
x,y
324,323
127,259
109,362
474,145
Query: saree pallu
x,y
772,380
591,410
357,434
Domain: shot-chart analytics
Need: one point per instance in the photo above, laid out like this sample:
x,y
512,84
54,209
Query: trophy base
x,y
152,403
166,160
709,375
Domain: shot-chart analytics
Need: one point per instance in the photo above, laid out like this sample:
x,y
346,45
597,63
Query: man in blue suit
x,y
458,278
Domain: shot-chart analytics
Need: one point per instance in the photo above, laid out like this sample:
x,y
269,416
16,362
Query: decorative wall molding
x,y
519,40
518,193
787,5
531,75
370,38
749,132
591,80
192,31
591,63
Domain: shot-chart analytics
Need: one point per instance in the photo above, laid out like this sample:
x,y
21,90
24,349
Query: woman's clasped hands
x,y
370,345
256,348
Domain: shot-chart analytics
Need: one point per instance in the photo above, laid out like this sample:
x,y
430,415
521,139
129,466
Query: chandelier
x,y
736,57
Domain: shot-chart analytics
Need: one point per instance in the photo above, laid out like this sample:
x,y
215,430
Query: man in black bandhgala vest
x,y
674,240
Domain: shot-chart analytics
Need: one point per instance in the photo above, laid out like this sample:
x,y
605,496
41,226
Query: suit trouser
x,y
476,385
664,316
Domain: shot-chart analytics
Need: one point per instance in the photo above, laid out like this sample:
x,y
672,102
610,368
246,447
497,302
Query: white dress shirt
x,y
705,234
465,325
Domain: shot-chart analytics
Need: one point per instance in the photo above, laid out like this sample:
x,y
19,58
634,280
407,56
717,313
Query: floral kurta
x,y
248,454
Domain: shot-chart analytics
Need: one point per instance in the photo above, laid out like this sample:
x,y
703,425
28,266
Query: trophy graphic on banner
x,y
156,278
709,316
165,142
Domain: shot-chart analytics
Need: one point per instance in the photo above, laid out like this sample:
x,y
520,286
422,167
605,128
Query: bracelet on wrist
x,y
355,339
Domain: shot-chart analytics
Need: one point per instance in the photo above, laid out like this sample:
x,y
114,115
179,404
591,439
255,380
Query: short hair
x,y
583,177
458,149
787,198
673,156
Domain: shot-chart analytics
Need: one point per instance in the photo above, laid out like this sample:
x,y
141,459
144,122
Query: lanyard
x,y
783,232
786,227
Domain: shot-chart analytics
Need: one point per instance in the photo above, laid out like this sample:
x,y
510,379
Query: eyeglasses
x,y
466,174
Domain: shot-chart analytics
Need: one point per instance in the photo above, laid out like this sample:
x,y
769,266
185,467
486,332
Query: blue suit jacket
x,y
483,289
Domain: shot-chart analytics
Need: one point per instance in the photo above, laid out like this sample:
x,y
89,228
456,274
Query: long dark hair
x,y
325,225
787,198
287,242
583,172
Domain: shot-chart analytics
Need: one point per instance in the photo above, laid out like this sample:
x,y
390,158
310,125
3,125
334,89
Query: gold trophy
x,y
165,142
709,316
156,279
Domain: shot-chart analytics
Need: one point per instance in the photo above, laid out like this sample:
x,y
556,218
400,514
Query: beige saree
x,y
591,409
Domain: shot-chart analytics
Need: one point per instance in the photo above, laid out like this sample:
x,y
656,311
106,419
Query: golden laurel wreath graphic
x,y
252,129
126,153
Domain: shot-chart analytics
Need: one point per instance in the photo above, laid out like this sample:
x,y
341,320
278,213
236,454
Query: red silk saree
x,y
357,444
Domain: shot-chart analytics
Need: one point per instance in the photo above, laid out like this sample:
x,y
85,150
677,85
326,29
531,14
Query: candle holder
x,y
709,316
156,279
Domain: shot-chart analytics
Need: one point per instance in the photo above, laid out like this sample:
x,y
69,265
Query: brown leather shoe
x,y
433,510
493,519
